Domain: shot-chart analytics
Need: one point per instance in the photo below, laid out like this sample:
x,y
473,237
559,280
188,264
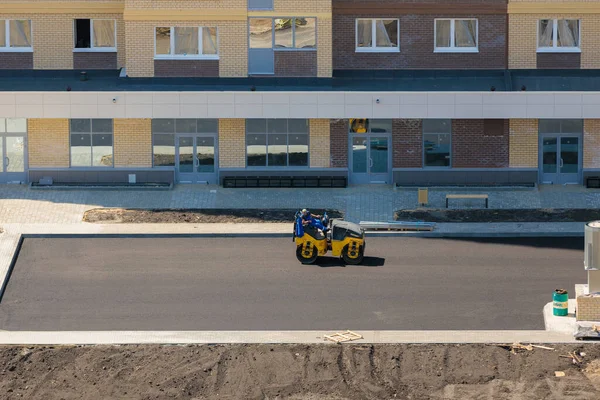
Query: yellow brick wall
x,y
186,4
523,143
48,143
319,153
522,39
324,28
588,308
305,6
132,142
53,39
522,36
232,37
324,48
591,143
232,143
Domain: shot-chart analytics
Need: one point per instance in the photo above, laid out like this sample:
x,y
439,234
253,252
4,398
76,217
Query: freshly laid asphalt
x,y
257,284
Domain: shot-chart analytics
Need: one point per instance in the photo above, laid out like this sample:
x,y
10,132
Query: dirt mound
x,y
349,371
202,216
499,215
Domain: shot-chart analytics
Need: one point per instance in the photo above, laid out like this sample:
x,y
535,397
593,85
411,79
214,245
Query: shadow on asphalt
x,y
566,243
326,262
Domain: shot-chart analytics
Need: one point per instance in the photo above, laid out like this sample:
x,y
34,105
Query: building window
x,y
283,33
163,142
456,35
560,126
91,143
437,135
186,43
377,35
95,35
558,35
163,136
15,35
277,142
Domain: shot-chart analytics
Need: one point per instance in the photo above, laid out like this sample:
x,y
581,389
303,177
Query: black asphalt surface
x,y
257,284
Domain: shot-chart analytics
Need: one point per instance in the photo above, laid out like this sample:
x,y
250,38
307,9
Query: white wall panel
x,y
300,104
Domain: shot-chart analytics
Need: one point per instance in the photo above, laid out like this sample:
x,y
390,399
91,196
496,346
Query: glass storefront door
x,y
13,163
196,159
369,153
370,161
561,159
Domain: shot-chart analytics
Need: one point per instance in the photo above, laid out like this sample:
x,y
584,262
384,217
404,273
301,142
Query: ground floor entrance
x,y
370,158
13,150
560,159
196,159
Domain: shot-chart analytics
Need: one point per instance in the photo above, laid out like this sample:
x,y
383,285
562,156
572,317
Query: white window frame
x,y
92,48
453,48
555,48
7,48
186,57
374,48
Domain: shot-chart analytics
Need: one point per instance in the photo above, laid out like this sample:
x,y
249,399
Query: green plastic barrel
x,y
560,301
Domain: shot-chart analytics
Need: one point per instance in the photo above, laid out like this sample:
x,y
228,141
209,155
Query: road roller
x,y
315,236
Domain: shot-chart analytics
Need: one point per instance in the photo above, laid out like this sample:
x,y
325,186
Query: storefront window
x,y
437,135
91,143
277,142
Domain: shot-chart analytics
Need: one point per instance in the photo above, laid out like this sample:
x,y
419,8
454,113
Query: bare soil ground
x,y
328,371
205,216
499,215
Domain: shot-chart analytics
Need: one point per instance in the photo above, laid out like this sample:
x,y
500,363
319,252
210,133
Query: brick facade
x,y
324,46
186,68
232,38
295,63
479,143
232,143
186,4
339,143
523,143
53,41
558,60
132,142
95,60
407,143
48,143
591,143
417,36
324,28
16,60
522,41
319,143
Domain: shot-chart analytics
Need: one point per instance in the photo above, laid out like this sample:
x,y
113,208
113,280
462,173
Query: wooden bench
x,y
467,196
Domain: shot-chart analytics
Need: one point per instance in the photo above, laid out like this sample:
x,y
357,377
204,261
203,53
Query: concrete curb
x,y
279,337
373,234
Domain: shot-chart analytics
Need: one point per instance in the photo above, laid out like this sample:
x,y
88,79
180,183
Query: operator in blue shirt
x,y
313,220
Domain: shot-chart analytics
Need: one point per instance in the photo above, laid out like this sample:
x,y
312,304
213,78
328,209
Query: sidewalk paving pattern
x,y
20,204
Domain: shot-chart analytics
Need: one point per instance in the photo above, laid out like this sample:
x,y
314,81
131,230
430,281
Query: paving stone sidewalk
x,y
20,204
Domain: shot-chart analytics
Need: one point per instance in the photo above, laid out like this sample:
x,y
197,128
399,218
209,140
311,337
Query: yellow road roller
x,y
315,237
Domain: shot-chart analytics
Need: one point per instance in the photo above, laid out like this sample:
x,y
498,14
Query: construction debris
x,y
559,374
542,347
340,337
576,359
518,346
515,347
